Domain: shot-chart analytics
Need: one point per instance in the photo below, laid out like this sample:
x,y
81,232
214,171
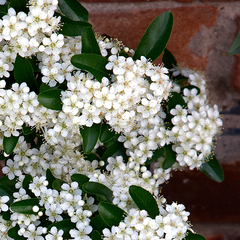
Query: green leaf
x,y
111,214
51,99
175,99
144,200
5,191
50,178
80,179
106,133
116,149
25,206
112,140
93,63
19,5
89,42
90,137
27,180
96,235
170,158
168,59
6,215
72,28
213,169
45,87
156,154
235,48
9,143
73,10
4,181
13,233
98,189
91,157
27,130
66,225
156,37
57,184
98,224
194,236
23,72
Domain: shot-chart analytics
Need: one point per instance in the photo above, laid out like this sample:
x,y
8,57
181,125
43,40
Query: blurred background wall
x,y
202,34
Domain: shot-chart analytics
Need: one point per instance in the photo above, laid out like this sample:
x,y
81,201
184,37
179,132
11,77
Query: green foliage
x,y
19,5
235,48
80,179
10,184
144,200
27,130
13,233
72,28
170,158
111,214
168,59
175,99
51,99
23,72
96,235
5,191
73,10
98,224
98,189
25,206
115,149
89,42
50,178
157,154
90,137
66,225
9,143
156,37
194,236
106,134
93,63
213,169
57,184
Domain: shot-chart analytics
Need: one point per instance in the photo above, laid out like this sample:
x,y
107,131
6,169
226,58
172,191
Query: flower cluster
x,y
78,148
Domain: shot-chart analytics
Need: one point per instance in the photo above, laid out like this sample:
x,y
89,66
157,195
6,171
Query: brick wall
x,y
202,34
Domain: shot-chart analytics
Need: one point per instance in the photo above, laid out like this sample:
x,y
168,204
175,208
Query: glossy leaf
x,y
98,189
3,10
93,63
98,224
57,184
25,184
90,137
110,213
66,225
73,10
13,233
9,143
45,87
213,169
51,99
144,200
23,72
96,235
156,154
25,206
8,183
6,215
50,178
5,191
89,42
19,5
27,130
168,59
194,236
170,158
116,149
72,28
91,157
106,133
112,140
156,37
235,48
175,99
80,179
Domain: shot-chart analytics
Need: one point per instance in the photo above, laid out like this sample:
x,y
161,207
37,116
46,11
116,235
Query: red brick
x,y
219,1
216,237
206,200
127,1
129,27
